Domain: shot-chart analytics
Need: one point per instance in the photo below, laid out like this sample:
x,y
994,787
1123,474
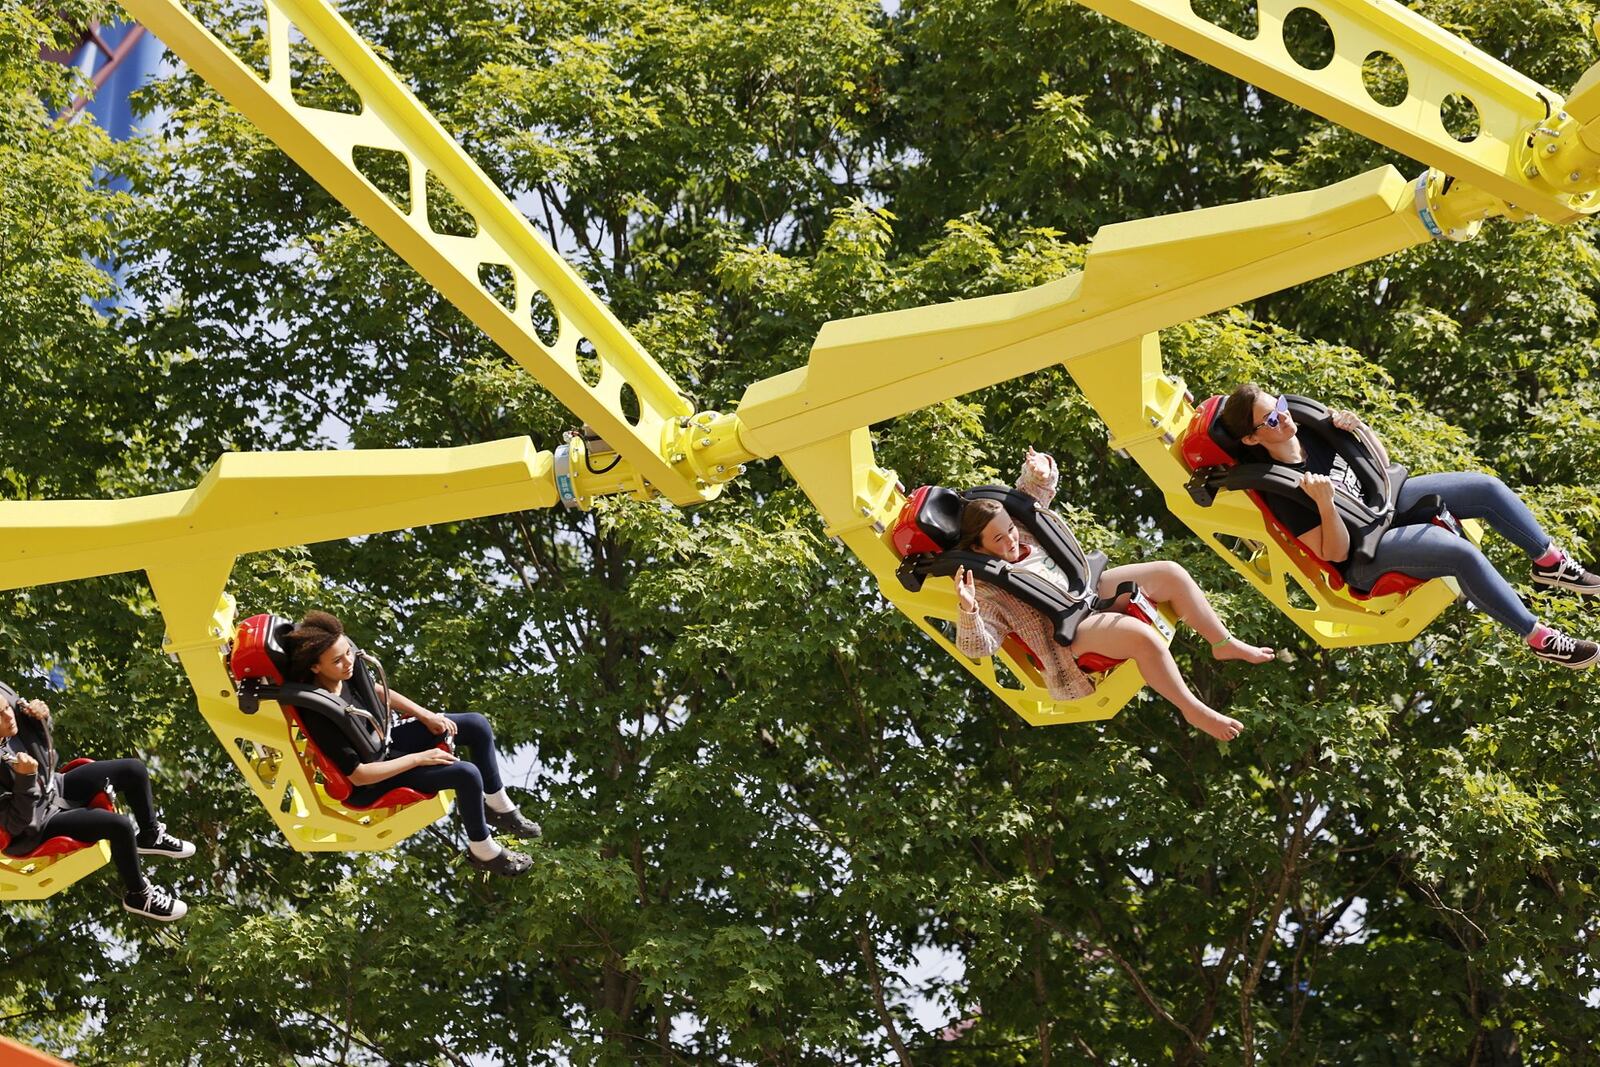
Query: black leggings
x,y
132,783
471,778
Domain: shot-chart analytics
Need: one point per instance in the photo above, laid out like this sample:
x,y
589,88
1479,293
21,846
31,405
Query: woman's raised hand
x,y
22,763
966,590
1344,420
1038,465
36,709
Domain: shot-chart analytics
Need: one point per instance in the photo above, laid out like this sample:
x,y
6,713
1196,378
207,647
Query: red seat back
x,y
336,783
930,521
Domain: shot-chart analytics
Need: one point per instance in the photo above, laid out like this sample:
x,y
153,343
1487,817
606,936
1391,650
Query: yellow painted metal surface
x,y
392,119
1438,67
1139,276
22,879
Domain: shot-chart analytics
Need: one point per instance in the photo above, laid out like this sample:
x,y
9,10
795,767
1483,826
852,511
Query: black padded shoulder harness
x,y
1367,520
1065,609
363,719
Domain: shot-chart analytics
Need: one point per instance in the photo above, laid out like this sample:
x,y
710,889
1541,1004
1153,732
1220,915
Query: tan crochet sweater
x,y
982,632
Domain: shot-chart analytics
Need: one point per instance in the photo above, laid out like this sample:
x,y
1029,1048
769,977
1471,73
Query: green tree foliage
x,y
766,797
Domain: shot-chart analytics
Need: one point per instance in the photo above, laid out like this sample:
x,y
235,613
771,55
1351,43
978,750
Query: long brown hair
x,y
975,518
311,637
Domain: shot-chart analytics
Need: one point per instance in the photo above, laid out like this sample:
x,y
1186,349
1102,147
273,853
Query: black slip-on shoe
x,y
507,863
513,824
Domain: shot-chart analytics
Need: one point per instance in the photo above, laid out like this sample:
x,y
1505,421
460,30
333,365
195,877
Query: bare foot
x,y
1237,649
1219,726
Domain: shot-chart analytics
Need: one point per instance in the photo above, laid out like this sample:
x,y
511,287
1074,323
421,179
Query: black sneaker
x,y
161,843
508,863
155,903
1570,575
513,824
1568,651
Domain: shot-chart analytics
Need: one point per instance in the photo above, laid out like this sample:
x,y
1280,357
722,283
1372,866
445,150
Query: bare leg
x,y
1168,583
1123,637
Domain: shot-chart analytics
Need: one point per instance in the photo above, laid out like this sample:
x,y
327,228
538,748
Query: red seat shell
x,y
337,784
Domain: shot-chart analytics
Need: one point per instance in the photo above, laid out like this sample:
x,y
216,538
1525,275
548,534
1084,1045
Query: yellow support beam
x,y
1555,177
1138,277
392,119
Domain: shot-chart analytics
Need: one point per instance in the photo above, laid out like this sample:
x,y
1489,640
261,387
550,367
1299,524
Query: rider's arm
x,y
367,773
1041,488
1330,540
979,633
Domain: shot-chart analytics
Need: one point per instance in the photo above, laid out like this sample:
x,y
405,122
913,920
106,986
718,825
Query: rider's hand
x,y
1319,487
22,763
1345,420
1038,465
35,709
432,757
436,723
966,590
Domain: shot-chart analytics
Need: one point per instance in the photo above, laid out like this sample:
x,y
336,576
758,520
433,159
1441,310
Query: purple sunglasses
x,y
1275,417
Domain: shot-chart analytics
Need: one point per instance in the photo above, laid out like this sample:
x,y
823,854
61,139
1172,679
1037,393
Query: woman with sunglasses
x,y
1424,550
989,613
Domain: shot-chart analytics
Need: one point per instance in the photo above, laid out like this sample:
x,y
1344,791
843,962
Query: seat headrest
x,y
260,649
929,522
1207,442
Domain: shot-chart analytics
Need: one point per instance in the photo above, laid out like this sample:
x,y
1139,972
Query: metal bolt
x,y
1562,115
721,468
1575,176
1530,171
705,442
677,457
1551,149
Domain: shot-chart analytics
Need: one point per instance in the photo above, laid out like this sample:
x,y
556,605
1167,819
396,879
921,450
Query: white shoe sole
x,y
1579,665
179,910
170,855
1554,583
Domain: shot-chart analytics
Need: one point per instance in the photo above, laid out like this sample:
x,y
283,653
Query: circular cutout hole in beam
x,y
1460,118
589,365
1238,17
1308,38
1384,78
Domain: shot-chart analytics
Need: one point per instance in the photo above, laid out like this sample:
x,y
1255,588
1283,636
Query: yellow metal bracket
x,y
36,879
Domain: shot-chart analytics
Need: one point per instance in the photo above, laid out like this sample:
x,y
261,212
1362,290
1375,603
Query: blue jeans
x,y
472,777
1428,551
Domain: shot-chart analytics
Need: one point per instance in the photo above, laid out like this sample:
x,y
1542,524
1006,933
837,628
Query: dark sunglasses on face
x,y
1275,417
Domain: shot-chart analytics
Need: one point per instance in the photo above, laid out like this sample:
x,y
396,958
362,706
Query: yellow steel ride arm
x,y
187,543
1520,148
